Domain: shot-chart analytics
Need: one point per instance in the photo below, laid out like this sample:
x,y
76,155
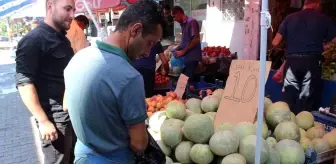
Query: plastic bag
x,y
153,153
279,74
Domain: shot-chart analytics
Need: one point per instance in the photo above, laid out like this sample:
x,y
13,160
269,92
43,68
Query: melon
x,y
267,103
189,113
293,117
287,130
317,124
182,152
169,160
244,129
305,120
171,132
198,128
176,109
201,153
156,120
166,149
271,142
247,148
194,105
320,145
331,138
234,159
264,129
291,152
306,143
210,103
224,143
212,115
224,127
218,93
278,112
315,132
303,133
274,157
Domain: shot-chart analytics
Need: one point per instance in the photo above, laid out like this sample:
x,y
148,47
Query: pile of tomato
x,y
216,51
161,79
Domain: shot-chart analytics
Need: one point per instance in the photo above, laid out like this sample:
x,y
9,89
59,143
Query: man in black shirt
x,y
42,56
304,33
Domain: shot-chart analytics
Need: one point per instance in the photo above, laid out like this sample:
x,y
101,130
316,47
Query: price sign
x,y
240,98
181,85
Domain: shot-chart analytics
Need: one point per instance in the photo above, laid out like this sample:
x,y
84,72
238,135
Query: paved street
x,y
17,142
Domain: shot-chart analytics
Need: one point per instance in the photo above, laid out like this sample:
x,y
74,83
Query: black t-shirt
x,y
305,32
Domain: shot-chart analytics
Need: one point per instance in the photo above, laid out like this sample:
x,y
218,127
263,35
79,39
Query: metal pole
x,y
265,23
92,17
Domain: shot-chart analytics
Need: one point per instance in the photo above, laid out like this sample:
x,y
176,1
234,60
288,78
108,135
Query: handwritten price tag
x,y
181,85
240,97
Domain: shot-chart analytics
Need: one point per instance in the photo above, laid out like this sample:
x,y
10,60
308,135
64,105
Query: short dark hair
x,y
147,12
177,9
83,19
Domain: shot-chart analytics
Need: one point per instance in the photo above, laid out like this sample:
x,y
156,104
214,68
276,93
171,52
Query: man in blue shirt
x,y
105,94
304,33
146,67
190,45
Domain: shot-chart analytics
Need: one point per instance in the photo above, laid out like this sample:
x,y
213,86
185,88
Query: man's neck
x,y
117,39
51,24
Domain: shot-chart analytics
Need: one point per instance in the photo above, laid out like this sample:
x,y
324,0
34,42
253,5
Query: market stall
x,y
235,122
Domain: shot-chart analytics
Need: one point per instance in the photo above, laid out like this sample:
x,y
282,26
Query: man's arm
x,y
281,34
133,112
277,40
28,57
163,58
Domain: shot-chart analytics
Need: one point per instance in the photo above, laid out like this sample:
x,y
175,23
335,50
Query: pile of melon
x,y
188,135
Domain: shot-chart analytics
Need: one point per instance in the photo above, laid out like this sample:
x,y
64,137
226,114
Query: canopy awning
x,y
38,9
10,7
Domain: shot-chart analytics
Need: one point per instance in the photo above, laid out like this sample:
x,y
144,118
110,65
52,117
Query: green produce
x,y
210,103
224,143
201,153
171,132
176,109
182,152
247,148
278,112
287,130
305,120
198,128
244,129
234,159
291,152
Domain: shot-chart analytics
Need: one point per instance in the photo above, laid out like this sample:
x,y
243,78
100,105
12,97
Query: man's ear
x,y
136,29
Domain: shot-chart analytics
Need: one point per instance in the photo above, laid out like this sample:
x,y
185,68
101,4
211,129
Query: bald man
x,y
42,56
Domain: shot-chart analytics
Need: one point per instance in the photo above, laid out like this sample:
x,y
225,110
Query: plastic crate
x,y
199,86
320,158
329,122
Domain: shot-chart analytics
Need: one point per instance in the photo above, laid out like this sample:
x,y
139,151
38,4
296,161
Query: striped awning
x,y
10,7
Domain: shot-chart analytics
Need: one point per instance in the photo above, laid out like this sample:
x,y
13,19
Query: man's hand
x,y
48,131
180,53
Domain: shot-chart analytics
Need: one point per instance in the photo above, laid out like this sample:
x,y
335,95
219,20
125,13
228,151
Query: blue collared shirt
x,y
190,28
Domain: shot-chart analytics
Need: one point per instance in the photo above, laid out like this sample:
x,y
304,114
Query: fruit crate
x,y
329,122
202,85
320,158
